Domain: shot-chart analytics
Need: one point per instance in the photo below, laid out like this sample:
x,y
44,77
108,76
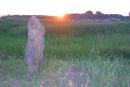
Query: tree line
x,y
89,15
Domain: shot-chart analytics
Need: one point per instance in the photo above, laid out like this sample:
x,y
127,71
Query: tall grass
x,y
101,48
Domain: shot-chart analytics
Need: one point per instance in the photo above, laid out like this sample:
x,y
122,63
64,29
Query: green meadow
x,y
100,49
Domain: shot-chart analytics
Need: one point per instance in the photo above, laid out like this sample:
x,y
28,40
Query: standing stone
x,y
35,45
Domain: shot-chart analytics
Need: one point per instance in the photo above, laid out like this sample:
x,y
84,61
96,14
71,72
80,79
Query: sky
x,y
61,7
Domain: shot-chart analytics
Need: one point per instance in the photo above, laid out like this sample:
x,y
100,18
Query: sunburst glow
x,y
60,17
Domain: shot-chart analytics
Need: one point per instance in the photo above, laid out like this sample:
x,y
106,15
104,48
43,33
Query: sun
x,y
60,17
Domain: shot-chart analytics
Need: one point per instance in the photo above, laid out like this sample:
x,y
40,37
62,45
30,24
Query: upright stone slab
x,y
35,45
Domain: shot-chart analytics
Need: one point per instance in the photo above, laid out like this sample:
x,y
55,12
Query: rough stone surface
x,y
35,45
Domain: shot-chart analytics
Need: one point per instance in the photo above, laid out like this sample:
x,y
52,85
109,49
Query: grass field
x,y
101,48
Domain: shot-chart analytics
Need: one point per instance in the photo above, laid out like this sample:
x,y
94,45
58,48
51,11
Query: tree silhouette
x,y
98,13
89,13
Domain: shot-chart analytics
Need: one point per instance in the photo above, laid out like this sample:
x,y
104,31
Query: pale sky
x,y
60,7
